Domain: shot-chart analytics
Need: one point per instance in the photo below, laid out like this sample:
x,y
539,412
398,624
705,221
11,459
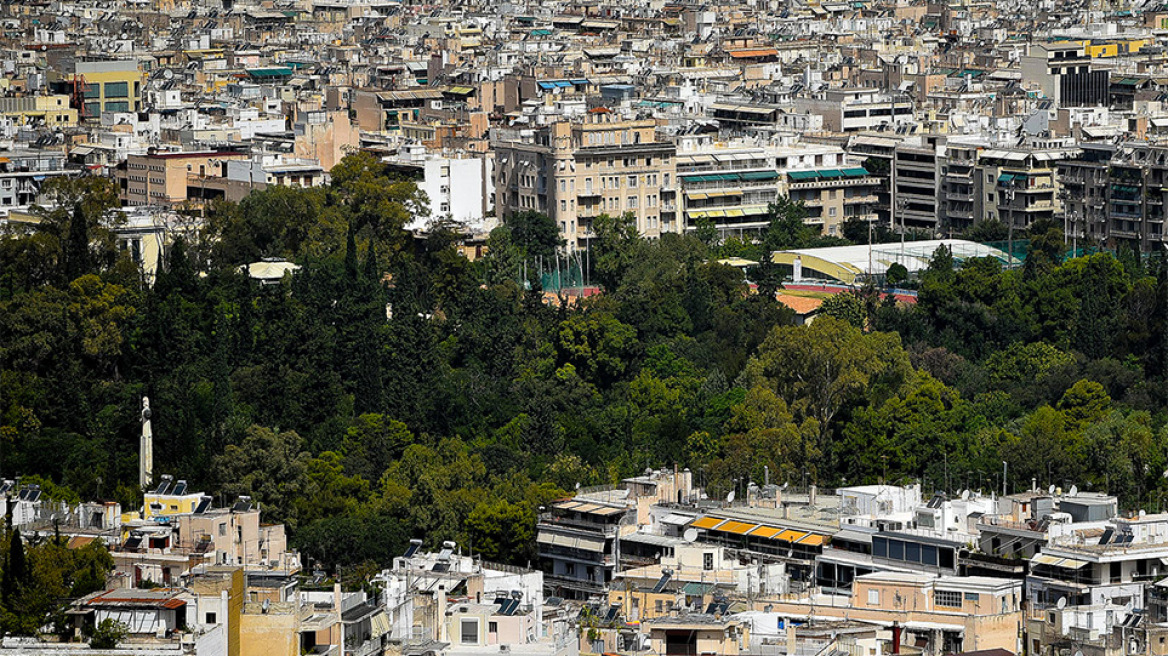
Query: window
x,y
708,561
631,202
117,107
947,598
444,207
492,627
632,181
210,619
117,89
659,605
873,597
563,205
470,632
223,529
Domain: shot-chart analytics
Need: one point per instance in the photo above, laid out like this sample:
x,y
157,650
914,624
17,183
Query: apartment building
x,y
1064,72
936,614
960,197
171,178
834,195
104,86
1020,185
574,171
732,184
854,109
915,186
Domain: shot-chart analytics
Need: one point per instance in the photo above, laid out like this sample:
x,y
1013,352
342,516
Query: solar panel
x,y
1107,536
204,504
661,583
935,502
441,567
180,488
162,487
413,549
612,611
509,607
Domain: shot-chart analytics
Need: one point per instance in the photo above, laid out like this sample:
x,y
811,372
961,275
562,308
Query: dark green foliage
x,y
392,388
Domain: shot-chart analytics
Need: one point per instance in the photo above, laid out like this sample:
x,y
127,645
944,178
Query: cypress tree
x,y
76,248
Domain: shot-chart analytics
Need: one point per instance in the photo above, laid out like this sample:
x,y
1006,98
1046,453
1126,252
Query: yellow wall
x,y
271,634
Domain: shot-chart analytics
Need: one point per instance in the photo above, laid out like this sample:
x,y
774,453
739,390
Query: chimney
x,y
811,490
440,611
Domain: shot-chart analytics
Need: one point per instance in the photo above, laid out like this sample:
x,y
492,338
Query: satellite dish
x,y
1078,652
1050,490
1062,603
730,497
788,483
1074,491
1142,513
964,495
690,535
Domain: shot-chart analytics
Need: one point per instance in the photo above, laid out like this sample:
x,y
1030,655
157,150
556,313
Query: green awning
x,y
1125,189
696,589
831,173
269,72
803,175
760,175
1005,177
857,172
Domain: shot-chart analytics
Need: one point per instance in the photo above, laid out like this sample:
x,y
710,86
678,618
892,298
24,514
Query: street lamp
x,y
901,206
1009,195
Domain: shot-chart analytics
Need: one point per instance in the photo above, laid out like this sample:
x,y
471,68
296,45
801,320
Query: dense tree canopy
x,y
392,388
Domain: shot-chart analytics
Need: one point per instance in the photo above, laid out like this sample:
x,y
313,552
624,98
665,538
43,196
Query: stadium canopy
x,y
851,263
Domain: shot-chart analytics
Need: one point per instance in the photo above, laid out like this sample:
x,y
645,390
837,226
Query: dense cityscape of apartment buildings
x,y
913,116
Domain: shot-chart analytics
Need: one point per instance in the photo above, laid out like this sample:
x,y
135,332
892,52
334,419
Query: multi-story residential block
x,y
1064,72
113,85
575,171
170,178
853,109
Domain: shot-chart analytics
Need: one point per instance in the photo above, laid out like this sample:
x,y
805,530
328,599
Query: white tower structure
x,y
146,448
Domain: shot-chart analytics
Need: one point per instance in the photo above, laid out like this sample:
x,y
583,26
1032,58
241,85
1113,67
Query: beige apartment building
x,y
575,171
170,178
940,614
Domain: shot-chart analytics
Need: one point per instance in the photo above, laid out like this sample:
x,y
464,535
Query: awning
x,y
605,511
725,192
572,542
791,536
1005,177
765,532
674,519
707,523
697,195
803,175
813,540
380,625
740,528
